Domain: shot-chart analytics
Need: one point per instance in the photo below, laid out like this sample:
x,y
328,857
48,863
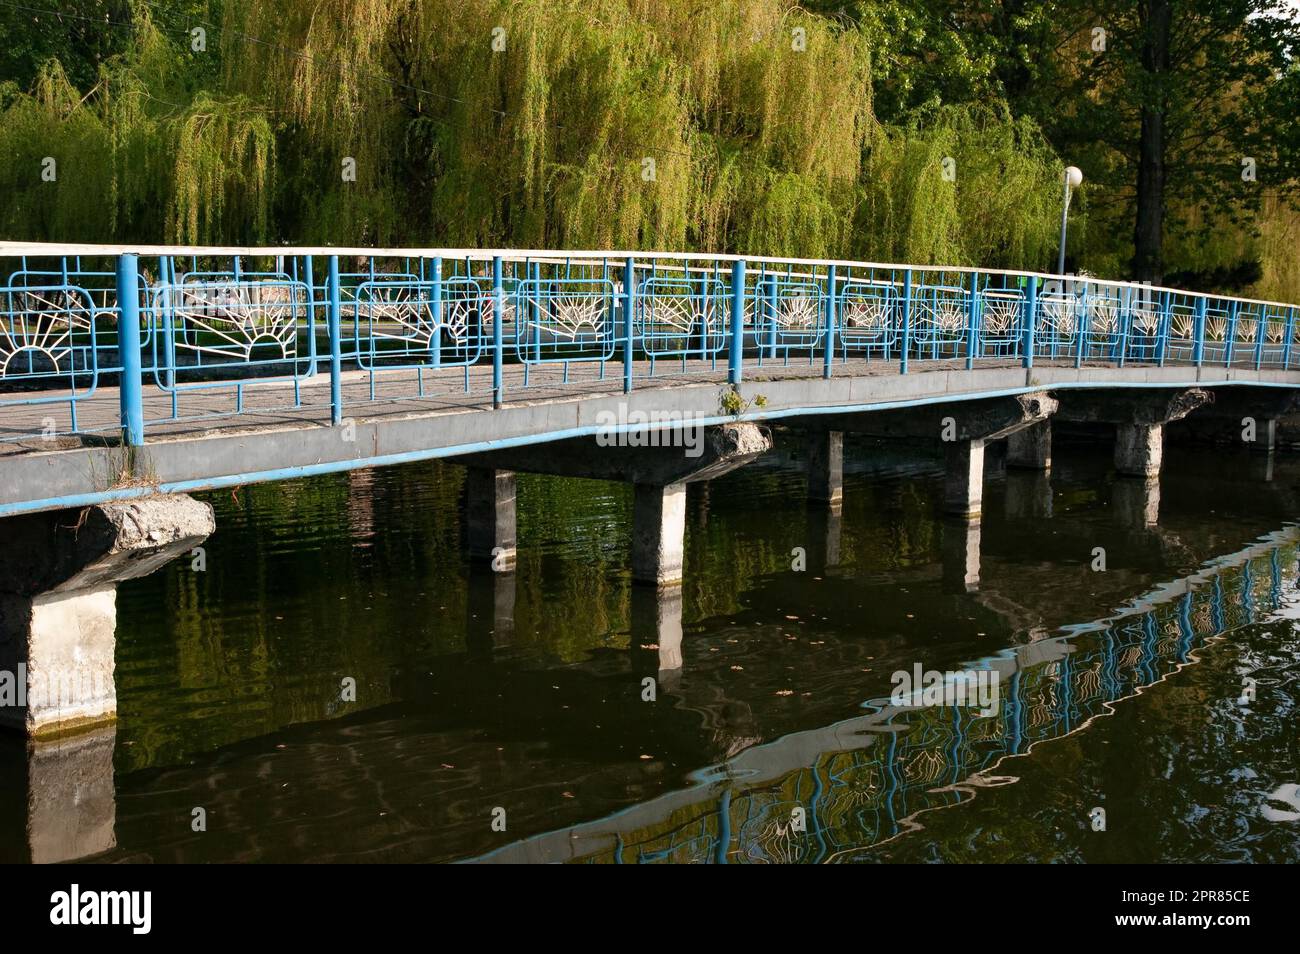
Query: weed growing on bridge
x,y
734,403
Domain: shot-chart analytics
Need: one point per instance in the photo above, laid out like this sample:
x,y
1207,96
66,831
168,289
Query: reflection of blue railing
x,y
916,760
412,322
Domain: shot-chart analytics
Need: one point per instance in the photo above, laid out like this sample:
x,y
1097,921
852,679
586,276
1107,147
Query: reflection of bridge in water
x,y
863,781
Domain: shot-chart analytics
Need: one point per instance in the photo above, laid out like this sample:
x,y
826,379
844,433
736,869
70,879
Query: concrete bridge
x,y
130,377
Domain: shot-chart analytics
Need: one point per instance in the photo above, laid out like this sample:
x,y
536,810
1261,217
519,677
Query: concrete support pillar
x,y
963,482
58,603
961,556
658,533
826,467
1031,448
490,515
1138,449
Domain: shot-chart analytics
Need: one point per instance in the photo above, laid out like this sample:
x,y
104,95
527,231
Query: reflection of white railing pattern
x,y
229,319
45,323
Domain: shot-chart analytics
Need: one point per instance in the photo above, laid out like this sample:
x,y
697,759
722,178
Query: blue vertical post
x,y
436,295
1125,323
972,319
1162,328
1082,326
629,306
771,317
829,359
1289,331
1031,316
1261,329
498,310
907,321
311,312
130,392
334,319
1198,332
737,321
1230,343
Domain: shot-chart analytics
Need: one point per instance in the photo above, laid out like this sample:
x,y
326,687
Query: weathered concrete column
x,y
1031,448
658,533
1139,417
58,602
961,556
659,471
826,466
490,515
1139,449
964,427
963,479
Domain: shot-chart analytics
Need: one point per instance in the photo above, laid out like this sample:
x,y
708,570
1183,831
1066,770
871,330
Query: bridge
x,y
132,376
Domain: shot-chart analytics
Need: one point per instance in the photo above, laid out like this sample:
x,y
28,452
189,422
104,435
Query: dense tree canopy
x,y
918,130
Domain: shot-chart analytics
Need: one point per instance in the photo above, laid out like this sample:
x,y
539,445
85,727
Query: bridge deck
x,y
211,445
253,404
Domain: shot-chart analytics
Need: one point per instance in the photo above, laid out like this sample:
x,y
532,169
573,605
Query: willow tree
x,y
140,155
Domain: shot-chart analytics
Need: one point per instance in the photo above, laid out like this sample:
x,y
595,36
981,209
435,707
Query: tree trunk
x,y
1148,230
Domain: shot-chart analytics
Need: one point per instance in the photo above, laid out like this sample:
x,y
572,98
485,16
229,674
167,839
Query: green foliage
x,y
736,125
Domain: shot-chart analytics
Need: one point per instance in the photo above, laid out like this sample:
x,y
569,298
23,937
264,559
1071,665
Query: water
x,y
1120,690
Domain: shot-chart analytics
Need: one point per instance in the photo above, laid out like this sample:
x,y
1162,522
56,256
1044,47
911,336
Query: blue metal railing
x,y
199,333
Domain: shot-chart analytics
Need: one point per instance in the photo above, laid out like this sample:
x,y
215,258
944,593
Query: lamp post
x,y
1073,179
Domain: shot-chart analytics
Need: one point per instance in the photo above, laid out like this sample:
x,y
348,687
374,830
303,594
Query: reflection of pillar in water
x,y
1261,467
825,527
826,467
961,555
1136,502
71,806
1029,494
361,506
657,622
698,494
491,604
